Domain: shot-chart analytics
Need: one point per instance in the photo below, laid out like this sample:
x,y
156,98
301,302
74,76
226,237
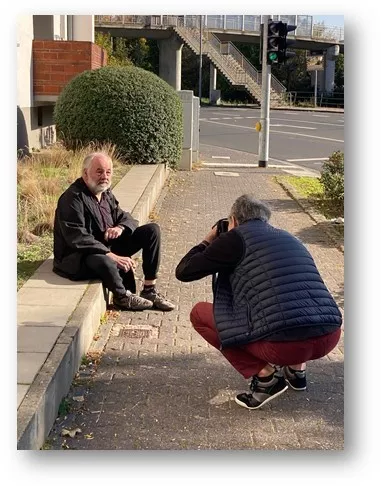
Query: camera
x,y
222,226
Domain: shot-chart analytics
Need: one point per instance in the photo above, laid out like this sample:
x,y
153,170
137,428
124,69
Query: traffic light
x,y
277,42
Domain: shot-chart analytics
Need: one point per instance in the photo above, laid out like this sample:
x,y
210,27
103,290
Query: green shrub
x,y
126,106
332,179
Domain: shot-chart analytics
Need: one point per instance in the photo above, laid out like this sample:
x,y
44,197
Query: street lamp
x,y
200,63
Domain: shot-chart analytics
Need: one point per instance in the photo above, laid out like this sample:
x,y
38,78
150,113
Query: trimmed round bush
x,y
127,106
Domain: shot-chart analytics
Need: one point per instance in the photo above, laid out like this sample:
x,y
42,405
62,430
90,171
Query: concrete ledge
x,y
75,326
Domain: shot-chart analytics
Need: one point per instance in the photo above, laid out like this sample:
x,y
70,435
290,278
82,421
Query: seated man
x,y
95,238
271,308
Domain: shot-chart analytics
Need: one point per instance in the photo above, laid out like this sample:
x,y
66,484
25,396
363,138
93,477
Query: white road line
x,y
226,118
279,119
220,157
278,131
306,160
292,126
322,116
223,164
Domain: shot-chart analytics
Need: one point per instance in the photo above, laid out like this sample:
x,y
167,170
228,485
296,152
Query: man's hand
x,y
212,235
123,262
112,233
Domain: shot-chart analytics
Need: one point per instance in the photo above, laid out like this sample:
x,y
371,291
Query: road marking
x,y
323,116
292,126
280,119
238,117
220,157
278,131
274,166
306,160
226,118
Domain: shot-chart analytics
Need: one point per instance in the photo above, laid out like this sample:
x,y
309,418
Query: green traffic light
x,y
273,56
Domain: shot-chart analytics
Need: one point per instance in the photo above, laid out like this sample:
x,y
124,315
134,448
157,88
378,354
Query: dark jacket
x,y
78,228
271,291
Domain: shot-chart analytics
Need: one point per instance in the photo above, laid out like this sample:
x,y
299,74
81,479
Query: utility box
x,y
215,96
191,129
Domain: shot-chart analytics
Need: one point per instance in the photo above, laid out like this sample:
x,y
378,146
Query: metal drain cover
x,y
227,174
135,333
138,332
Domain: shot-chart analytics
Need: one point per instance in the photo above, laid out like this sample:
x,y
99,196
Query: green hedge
x,y
126,106
332,179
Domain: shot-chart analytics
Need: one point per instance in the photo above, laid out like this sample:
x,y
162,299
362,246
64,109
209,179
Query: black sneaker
x,y
158,300
131,302
262,392
296,379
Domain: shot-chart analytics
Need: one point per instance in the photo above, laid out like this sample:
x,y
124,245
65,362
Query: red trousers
x,y
249,359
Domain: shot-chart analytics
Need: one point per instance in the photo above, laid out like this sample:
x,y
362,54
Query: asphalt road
x,y
301,138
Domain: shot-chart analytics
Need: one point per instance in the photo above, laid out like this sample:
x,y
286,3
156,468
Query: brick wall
x,y
55,63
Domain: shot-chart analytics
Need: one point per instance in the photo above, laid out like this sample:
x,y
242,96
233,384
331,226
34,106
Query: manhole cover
x,y
135,333
227,174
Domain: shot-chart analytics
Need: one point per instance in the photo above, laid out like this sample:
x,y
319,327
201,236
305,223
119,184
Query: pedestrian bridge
x,y
235,28
213,37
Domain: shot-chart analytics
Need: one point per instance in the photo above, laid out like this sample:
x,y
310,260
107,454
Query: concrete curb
x,y
38,410
308,208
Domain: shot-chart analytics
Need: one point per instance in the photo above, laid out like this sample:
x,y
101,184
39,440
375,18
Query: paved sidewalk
x,y
158,385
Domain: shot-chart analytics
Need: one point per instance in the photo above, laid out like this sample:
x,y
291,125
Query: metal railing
x,y
238,23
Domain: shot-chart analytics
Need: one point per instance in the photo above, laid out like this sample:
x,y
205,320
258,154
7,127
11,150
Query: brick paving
x,y
158,385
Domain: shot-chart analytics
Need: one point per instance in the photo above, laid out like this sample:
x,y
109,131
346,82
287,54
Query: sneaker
x,y
158,300
131,302
296,379
262,392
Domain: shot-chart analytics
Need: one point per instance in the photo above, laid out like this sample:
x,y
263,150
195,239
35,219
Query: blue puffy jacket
x,y
276,287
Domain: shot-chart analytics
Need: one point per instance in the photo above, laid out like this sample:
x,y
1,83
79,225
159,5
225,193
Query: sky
x,y
330,20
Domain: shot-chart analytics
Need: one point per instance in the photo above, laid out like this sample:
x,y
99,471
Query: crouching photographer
x,y
271,311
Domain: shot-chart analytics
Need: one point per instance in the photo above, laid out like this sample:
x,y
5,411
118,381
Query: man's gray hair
x,y
87,161
246,207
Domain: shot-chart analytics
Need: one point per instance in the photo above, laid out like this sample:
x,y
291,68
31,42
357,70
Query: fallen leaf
x,y
79,398
71,433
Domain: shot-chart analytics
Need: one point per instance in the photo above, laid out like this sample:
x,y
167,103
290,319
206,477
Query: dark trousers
x,y
251,358
145,238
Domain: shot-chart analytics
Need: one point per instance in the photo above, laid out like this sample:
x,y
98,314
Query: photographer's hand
x,y
212,235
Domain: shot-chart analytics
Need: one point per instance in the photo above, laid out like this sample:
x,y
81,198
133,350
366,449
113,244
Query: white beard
x,y
98,188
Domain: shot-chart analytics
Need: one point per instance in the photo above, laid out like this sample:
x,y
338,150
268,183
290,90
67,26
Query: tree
x,y
117,52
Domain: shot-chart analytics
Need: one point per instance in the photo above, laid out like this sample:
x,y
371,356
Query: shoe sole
x,y
242,404
296,389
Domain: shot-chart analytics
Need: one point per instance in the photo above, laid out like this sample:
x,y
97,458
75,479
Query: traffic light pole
x,y
265,101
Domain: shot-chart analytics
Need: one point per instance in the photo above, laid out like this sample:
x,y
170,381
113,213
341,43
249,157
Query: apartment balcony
x,y
56,62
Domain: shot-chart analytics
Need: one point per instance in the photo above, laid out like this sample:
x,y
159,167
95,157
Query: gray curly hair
x,y
246,207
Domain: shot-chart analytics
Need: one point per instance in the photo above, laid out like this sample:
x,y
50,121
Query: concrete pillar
x,y
83,28
170,61
329,67
196,129
186,97
214,94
